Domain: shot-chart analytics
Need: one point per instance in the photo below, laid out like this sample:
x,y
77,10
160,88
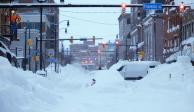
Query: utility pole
x,y
126,49
181,38
136,51
41,38
29,50
10,24
36,54
55,47
24,62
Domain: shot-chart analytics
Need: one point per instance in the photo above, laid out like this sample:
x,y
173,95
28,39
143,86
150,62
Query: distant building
x,y
85,53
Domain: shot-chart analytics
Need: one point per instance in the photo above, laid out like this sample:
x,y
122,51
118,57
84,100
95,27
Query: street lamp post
x,y
41,1
55,48
136,51
36,64
24,61
29,50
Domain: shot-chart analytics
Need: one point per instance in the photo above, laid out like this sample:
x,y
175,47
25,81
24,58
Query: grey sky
x,y
86,22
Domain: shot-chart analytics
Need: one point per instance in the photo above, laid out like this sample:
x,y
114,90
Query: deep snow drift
x,y
167,88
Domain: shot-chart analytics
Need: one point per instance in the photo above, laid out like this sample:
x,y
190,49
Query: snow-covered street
x,y
71,90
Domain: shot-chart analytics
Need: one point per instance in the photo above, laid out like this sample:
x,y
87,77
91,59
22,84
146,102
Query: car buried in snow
x,y
133,71
136,70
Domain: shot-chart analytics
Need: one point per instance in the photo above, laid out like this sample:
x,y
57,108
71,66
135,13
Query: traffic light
x,y
68,23
94,38
117,43
65,30
103,45
181,7
123,5
62,1
71,40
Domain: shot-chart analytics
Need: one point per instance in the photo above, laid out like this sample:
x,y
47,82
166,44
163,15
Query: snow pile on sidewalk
x,y
170,86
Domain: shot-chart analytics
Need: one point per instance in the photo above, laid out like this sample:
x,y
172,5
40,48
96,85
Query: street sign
x,y
51,52
20,52
152,6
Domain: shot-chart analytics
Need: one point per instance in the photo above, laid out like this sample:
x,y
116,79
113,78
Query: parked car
x,y
133,71
5,52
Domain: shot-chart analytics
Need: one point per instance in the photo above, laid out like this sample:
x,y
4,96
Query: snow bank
x,y
20,90
169,86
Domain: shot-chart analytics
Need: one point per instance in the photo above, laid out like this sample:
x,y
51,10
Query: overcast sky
x,y
88,22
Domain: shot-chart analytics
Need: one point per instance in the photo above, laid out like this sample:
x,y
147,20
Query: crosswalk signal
x,y
71,40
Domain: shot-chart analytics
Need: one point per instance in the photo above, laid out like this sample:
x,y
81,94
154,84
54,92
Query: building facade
x,y
124,29
146,33
30,19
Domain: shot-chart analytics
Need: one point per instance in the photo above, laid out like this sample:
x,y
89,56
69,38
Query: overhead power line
x,y
89,21
94,12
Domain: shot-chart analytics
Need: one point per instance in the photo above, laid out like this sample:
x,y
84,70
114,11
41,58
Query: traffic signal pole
x,y
44,5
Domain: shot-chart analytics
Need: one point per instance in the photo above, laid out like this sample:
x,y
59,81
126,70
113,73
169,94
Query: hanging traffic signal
x,y
65,30
62,1
123,5
181,7
71,40
103,44
117,43
68,23
94,38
